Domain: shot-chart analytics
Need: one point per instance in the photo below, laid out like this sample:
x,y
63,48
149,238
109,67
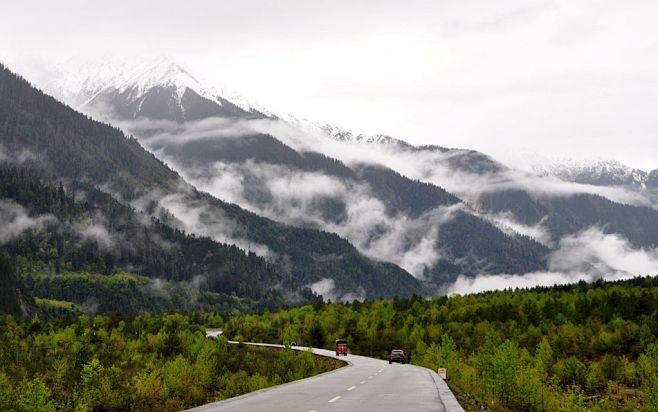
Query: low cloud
x,y
187,293
591,248
164,133
95,229
16,220
342,206
16,157
300,198
199,217
436,166
465,285
588,255
428,165
506,222
90,306
326,287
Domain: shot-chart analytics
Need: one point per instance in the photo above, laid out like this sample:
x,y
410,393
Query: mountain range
x,y
392,196
197,153
599,172
313,209
116,217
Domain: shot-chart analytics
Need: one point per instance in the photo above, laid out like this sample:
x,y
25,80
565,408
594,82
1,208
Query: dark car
x,y
397,355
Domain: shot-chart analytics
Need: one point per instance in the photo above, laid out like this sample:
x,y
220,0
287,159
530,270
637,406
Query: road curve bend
x,y
365,384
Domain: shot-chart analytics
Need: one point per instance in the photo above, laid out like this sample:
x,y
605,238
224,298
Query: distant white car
x,y
213,333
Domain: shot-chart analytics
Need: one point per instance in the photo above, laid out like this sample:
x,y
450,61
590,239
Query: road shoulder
x,y
448,398
213,405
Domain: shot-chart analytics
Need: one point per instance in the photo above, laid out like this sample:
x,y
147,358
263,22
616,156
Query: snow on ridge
x,y
612,170
78,81
342,135
338,133
592,170
162,72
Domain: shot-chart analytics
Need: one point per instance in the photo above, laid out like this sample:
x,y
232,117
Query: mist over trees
x,y
113,173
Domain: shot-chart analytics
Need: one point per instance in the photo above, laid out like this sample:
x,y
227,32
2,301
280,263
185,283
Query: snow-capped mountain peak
x,y
597,172
340,134
593,171
162,72
157,87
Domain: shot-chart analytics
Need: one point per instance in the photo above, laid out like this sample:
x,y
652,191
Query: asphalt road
x,y
366,384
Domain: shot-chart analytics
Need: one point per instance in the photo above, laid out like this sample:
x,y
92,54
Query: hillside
x,y
564,215
101,235
10,294
69,147
434,211
386,215
145,363
569,347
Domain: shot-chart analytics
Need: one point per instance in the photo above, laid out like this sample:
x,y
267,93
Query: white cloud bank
x,y
326,287
199,217
95,229
588,255
293,196
15,220
297,198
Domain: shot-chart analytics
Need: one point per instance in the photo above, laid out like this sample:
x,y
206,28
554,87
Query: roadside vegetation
x,y
570,348
565,348
144,363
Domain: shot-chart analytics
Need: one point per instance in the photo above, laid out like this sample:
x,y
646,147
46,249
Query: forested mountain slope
x,y
101,235
436,212
564,215
10,293
371,205
70,147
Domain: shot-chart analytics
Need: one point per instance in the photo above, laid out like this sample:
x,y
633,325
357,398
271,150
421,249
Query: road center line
x,y
334,399
351,387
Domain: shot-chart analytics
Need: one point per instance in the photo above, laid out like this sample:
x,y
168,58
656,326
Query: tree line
x,y
575,348
144,363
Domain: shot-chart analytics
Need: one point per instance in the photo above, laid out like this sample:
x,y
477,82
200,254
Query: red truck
x,y
341,347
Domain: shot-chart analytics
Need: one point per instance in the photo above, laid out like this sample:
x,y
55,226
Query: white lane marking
x,y
334,399
351,387
370,377
362,382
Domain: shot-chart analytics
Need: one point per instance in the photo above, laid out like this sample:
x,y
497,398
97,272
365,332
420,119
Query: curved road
x,y
365,384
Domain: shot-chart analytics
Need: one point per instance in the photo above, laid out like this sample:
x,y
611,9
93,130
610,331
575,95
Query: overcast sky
x,y
560,78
